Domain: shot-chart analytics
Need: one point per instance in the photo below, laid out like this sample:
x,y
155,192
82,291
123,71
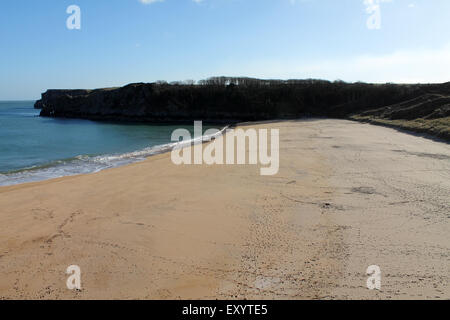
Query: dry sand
x,y
348,195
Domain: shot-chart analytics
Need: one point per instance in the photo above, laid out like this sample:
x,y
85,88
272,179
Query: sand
x,y
347,196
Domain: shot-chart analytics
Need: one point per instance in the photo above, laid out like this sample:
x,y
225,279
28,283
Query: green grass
x,y
436,127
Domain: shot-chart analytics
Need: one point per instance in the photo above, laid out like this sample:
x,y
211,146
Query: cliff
x,y
243,99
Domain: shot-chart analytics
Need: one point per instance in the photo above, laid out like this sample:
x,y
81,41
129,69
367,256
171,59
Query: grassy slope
x,y
436,127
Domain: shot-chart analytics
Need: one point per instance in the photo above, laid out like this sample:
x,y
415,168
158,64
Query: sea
x,y
34,148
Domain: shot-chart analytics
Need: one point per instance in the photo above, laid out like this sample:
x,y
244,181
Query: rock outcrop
x,y
232,100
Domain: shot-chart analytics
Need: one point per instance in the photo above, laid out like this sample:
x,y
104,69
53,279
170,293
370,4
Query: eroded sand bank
x,y
348,195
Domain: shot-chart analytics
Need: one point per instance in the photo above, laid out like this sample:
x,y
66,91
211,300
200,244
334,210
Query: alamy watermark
x,y
73,22
237,146
74,280
373,8
374,281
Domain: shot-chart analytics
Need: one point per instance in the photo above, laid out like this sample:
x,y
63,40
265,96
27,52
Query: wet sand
x,y
347,195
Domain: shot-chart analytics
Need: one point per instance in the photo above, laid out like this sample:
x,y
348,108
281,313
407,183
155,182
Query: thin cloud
x,y
150,1
154,1
403,66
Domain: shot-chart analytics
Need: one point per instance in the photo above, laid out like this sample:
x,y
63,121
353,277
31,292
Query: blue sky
x,y
123,41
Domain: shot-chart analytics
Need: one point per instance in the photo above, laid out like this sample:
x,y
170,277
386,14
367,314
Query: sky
x,y
126,41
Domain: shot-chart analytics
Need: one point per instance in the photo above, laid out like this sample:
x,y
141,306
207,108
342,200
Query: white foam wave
x,y
83,164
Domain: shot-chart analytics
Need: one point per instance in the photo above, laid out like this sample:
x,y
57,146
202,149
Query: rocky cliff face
x,y
52,95
256,100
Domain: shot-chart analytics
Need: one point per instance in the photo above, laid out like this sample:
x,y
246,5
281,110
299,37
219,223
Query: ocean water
x,y
34,148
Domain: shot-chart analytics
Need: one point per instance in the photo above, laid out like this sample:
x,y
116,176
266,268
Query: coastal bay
x,y
348,195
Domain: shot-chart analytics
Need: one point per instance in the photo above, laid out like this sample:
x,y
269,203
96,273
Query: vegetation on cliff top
x,y
418,107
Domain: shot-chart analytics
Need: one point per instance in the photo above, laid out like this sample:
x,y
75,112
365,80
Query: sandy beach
x,y
348,195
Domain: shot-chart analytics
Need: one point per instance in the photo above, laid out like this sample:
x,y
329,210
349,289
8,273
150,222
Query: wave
x,y
83,164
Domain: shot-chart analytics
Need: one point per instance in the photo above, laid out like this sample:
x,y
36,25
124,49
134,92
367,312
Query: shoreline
x,y
168,147
154,230
133,157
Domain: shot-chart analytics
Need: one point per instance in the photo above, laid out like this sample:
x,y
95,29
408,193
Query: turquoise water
x,y
34,148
